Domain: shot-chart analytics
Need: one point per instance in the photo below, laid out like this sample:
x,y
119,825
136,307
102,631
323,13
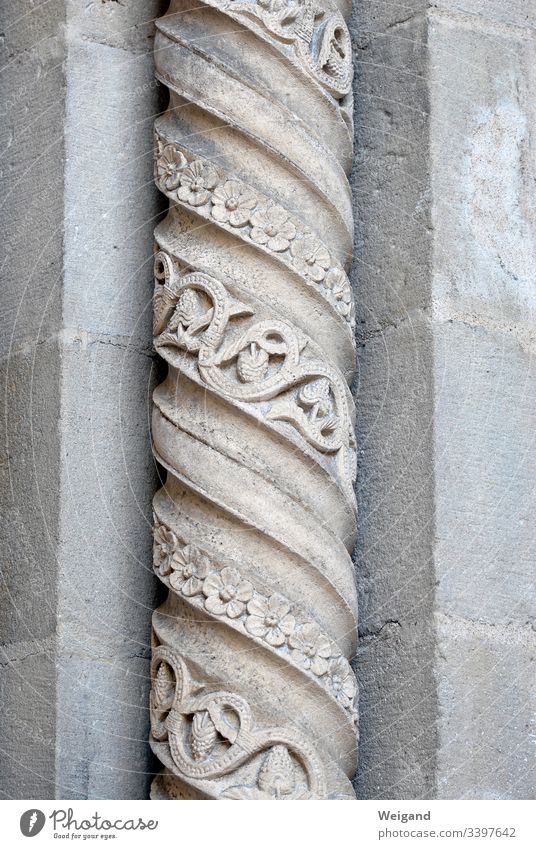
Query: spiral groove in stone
x,y
253,696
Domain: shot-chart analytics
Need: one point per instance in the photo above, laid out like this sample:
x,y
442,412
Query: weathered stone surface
x,y
27,695
104,743
484,319
394,392
31,93
485,495
484,214
394,555
126,26
445,483
390,179
444,280
106,589
517,13
29,507
77,219
486,682
29,492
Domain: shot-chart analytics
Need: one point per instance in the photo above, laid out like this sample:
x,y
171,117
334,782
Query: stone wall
x,y
77,370
444,273
32,86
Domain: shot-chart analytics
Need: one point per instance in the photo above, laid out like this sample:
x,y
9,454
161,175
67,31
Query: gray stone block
x,y
103,724
76,376
485,472
31,162
28,717
445,400
29,492
484,211
106,590
515,13
390,178
398,745
395,571
111,203
486,686
444,280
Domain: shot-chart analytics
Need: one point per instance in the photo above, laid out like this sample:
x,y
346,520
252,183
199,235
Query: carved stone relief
x,y
253,696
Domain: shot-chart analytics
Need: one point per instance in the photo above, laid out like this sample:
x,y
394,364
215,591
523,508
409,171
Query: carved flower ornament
x,y
341,681
235,205
165,543
169,166
272,227
232,203
270,619
311,257
197,182
310,648
227,593
190,568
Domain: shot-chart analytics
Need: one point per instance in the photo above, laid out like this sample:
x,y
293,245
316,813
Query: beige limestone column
x,y
253,696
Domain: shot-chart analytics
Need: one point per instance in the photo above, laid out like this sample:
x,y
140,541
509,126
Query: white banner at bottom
x,y
508,824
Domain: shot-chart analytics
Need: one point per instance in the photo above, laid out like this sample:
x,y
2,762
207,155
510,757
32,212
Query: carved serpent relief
x,y
212,733
253,696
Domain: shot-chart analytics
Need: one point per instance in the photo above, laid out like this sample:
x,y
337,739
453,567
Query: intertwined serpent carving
x,y
253,695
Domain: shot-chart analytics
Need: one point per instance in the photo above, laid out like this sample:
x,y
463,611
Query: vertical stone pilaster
x,y
78,100
482,82
444,268
32,84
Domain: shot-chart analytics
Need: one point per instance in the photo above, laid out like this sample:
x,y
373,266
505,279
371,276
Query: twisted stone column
x,y
253,696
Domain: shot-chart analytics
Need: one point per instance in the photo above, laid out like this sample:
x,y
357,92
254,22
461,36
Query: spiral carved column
x,y
253,696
